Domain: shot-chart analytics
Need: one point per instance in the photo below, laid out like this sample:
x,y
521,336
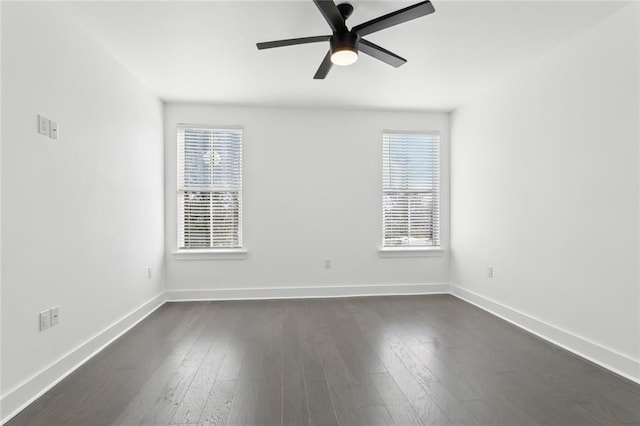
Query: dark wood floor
x,y
366,361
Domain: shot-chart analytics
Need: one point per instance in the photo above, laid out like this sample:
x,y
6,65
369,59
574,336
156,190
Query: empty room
x,y
319,212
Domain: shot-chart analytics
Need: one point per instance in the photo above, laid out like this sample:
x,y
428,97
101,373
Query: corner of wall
x,y
603,356
18,398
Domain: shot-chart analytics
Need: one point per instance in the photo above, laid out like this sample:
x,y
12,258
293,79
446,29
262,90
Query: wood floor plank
x,y
240,341
294,394
625,398
395,402
321,409
359,357
456,382
319,403
453,409
218,337
537,400
423,404
245,398
269,404
339,378
378,415
218,404
158,399
354,347
251,351
602,414
497,412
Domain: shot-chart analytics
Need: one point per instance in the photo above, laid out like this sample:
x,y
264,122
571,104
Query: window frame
x,y
205,253
409,250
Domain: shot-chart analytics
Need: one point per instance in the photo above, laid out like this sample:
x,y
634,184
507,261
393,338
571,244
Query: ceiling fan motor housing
x,y
345,9
346,40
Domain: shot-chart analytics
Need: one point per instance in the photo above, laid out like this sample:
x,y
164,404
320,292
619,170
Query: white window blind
x,y
209,187
411,189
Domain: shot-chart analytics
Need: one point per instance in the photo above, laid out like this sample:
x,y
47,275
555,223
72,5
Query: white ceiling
x,y
205,51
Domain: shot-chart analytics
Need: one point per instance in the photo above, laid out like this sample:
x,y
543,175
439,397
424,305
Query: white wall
x,y
82,217
1,410
638,209
545,188
312,191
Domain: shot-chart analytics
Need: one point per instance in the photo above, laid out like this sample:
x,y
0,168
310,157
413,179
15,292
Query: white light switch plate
x,y
45,320
43,125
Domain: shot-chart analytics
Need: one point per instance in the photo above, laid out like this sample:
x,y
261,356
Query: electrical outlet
x,y
327,264
55,316
490,271
53,130
45,320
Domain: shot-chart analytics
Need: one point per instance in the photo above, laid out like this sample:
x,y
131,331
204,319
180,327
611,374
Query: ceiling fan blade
x,y
380,53
324,68
331,14
291,42
394,18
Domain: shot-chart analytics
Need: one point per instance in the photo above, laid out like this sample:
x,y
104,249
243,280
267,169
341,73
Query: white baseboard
x,y
31,389
605,357
304,292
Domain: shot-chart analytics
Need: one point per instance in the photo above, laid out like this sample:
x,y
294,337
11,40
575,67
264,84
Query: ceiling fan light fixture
x,y
344,48
344,57
345,43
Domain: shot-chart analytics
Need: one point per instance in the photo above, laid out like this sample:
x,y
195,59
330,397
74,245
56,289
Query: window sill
x,y
213,254
411,252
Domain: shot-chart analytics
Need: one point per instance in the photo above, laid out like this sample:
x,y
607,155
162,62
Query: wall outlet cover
x,y
53,130
55,316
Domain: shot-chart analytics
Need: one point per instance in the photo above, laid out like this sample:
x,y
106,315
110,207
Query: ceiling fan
x,y
344,43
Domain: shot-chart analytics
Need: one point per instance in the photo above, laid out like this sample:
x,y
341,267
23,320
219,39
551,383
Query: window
x,y
411,190
209,187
